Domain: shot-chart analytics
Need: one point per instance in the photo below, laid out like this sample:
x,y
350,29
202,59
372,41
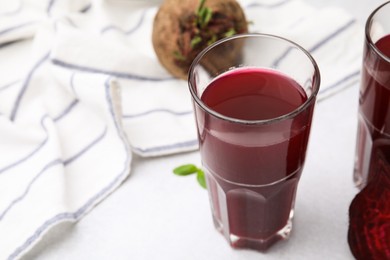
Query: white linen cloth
x,y
87,91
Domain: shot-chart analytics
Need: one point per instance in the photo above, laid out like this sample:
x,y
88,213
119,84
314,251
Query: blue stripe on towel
x,y
25,85
86,8
108,72
29,155
332,35
162,148
66,111
16,27
142,17
13,83
23,195
50,165
52,2
161,110
9,43
74,216
347,78
319,44
85,149
267,5
130,31
50,6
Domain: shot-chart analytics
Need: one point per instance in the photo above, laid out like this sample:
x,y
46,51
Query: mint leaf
x,y
185,170
189,169
201,179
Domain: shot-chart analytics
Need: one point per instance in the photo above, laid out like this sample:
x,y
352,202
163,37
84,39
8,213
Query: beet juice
x,y
253,168
253,97
374,110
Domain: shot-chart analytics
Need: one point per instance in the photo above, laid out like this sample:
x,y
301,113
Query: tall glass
x,y
374,103
253,165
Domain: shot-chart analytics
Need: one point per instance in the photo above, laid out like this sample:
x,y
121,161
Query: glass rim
x,y
292,114
367,33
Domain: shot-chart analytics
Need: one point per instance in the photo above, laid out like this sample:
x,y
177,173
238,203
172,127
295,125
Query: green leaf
x,y
197,39
201,17
201,178
188,169
203,14
206,16
231,32
185,170
201,5
179,56
212,40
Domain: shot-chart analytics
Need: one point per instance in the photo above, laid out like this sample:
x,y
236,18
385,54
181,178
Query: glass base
x,y
252,217
261,244
258,244
364,146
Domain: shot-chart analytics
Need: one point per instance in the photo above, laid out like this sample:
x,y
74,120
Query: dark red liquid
x,y
374,113
242,160
253,94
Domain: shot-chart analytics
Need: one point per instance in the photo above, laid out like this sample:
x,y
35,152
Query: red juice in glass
x,y
374,110
254,97
369,233
242,171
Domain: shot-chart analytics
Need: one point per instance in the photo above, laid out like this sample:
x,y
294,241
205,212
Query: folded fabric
x,y
20,19
88,91
151,97
63,148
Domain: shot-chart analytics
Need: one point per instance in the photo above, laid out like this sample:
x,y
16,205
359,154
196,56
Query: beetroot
x,y
369,212
182,29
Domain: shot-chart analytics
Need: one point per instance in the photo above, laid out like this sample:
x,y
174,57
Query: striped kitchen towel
x,y
81,90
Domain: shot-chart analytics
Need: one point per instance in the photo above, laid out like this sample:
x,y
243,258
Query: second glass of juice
x,y
253,96
373,140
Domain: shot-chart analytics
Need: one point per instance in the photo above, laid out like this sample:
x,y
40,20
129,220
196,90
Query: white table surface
x,y
156,215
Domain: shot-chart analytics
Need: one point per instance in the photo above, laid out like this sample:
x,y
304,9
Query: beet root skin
x,y
168,36
369,214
